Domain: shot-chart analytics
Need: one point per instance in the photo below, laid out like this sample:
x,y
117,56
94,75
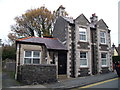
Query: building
x,y
115,50
79,48
88,44
41,53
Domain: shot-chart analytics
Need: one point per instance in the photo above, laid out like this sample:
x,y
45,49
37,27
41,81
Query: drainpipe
x,y
18,63
73,53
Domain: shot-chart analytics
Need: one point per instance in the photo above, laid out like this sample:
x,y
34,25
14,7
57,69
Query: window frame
x,y
84,58
104,59
32,57
103,37
82,30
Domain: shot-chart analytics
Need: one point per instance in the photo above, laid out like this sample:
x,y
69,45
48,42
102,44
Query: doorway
x,y
62,62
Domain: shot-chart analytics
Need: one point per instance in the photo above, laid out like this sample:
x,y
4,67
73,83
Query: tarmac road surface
x,y
111,83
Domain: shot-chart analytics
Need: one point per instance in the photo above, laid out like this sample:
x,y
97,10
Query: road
x,y
111,83
8,81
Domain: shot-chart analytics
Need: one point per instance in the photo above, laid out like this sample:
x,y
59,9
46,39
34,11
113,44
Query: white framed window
x,y
103,37
31,57
83,34
104,59
83,59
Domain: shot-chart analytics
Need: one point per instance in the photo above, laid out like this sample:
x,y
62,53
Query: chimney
x,y
93,20
113,45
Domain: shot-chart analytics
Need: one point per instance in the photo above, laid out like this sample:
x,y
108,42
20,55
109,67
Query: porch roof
x,y
50,43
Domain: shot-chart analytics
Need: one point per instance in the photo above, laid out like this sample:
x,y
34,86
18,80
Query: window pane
x,y
36,54
102,37
27,60
82,37
28,53
83,55
104,62
82,33
103,58
36,61
103,55
102,34
83,61
102,40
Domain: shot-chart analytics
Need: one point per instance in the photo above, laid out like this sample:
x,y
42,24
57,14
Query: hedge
x,y
116,59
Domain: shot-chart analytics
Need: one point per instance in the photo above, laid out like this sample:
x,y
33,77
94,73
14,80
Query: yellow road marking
x,y
99,83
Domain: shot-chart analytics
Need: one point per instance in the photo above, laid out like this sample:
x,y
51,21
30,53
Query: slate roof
x,y
50,43
68,19
102,24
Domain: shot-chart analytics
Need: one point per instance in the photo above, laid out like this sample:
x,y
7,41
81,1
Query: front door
x,y
62,63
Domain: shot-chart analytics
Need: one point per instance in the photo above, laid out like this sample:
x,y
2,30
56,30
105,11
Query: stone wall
x,y
37,74
105,70
84,72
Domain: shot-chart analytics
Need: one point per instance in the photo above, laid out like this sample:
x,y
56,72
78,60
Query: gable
x,y
82,20
101,24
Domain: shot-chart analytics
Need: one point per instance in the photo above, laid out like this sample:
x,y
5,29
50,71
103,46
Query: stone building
x,y
37,59
88,44
79,47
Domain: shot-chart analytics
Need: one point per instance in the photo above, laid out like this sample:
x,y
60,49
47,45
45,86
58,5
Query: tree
x,y
8,52
35,22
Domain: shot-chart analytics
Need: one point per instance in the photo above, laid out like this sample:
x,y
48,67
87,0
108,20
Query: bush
x,y
9,52
115,58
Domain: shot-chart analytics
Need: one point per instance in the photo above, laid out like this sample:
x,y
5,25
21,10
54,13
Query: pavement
x,y
81,81
73,82
8,81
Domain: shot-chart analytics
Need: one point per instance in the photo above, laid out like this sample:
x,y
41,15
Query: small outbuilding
x,y
38,59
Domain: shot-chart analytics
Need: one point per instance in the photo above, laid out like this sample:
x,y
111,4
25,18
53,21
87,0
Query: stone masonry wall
x,y
37,74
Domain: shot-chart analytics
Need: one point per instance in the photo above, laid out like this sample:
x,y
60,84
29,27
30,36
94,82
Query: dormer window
x,y
103,37
83,34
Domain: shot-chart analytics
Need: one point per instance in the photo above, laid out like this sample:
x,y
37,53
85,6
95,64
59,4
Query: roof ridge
x,y
23,38
45,37
34,37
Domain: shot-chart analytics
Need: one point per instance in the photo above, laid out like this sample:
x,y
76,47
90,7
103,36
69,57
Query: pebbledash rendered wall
x,y
37,74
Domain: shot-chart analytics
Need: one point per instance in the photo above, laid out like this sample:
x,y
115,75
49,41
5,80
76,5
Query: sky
x,y
104,9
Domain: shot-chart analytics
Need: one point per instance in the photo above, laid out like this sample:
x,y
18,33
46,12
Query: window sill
x,y
104,66
103,43
31,64
83,66
82,41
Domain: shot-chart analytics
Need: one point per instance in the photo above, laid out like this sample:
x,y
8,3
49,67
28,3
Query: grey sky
x,y
105,9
